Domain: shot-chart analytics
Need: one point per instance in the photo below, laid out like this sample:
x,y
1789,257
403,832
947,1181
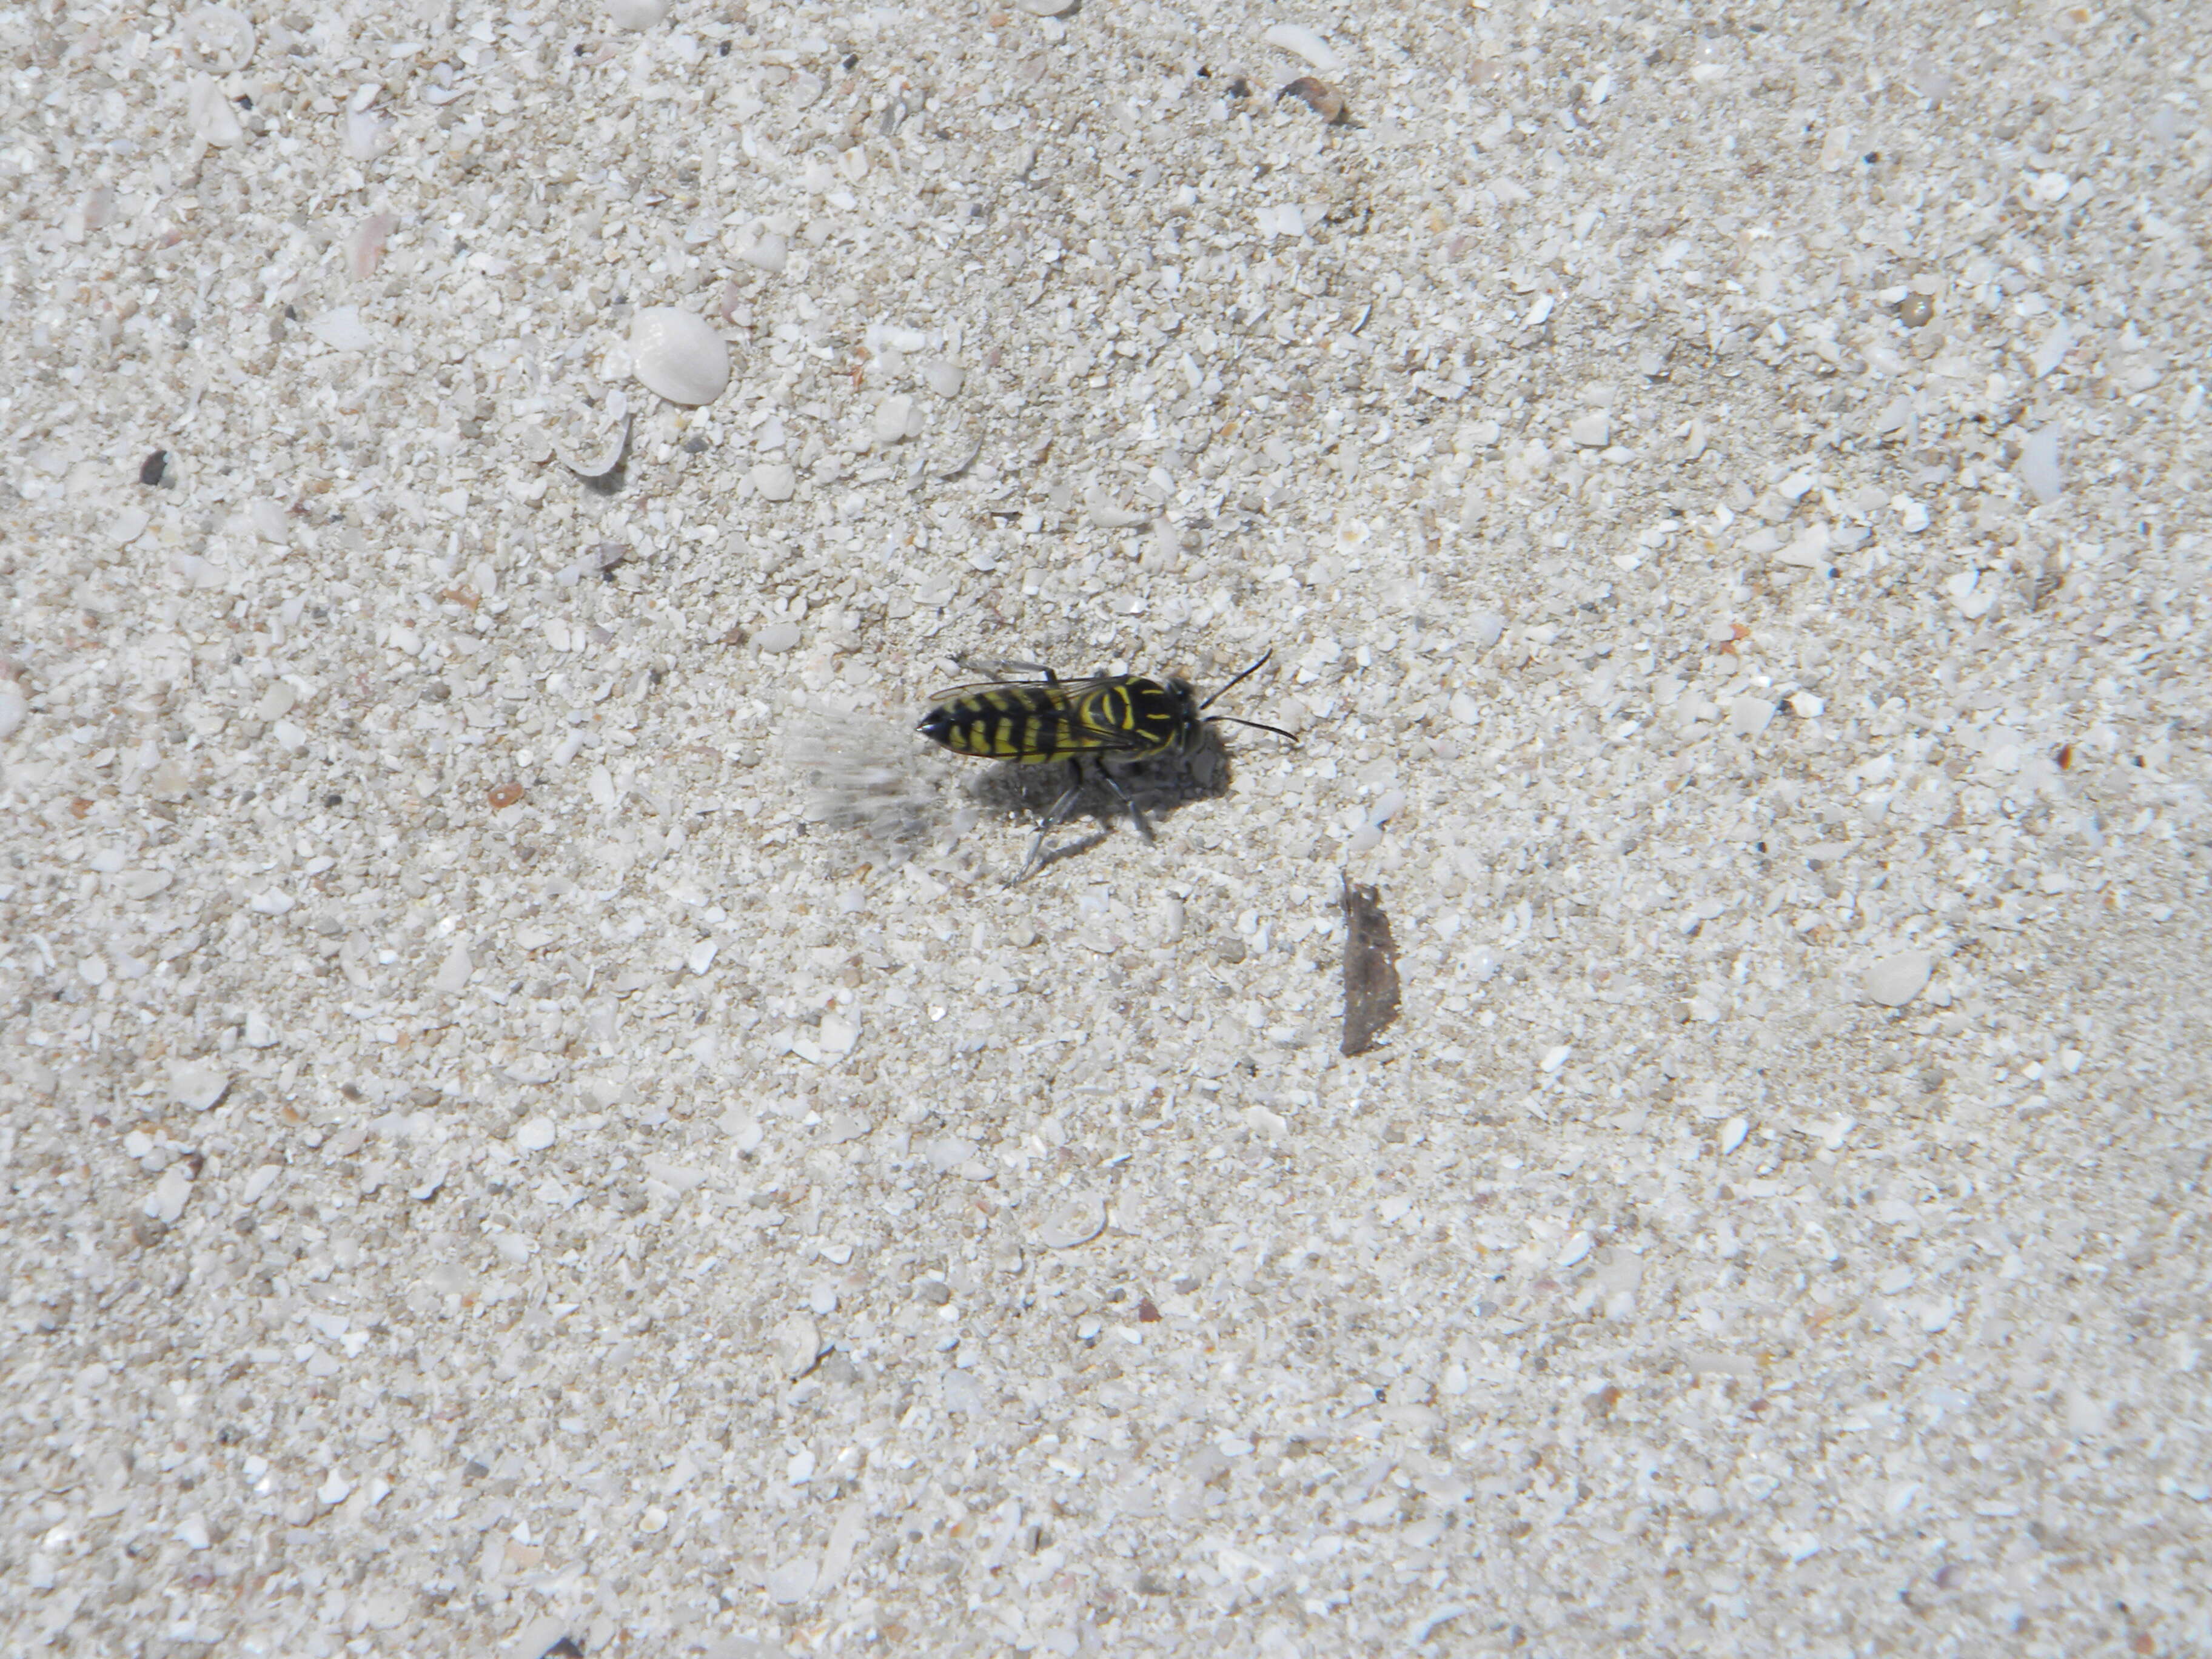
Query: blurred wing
x,y
1061,691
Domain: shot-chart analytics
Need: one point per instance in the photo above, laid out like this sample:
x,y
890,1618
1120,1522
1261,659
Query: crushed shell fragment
x,y
1073,1218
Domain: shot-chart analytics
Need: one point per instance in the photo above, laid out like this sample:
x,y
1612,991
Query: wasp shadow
x,y
1160,786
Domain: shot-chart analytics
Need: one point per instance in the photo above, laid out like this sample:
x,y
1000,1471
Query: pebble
x,y
208,109
777,637
536,1134
1301,42
1073,1218
366,134
1107,516
364,244
1748,716
1047,8
1895,980
768,251
2051,349
792,1582
197,1084
166,1203
840,1032
678,354
12,708
128,526
896,419
453,973
964,1394
943,376
342,328
798,1342
1916,310
636,14
2038,465
1592,430
774,480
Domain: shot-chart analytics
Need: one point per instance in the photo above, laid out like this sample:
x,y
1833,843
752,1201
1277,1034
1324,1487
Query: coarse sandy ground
x,y
529,1108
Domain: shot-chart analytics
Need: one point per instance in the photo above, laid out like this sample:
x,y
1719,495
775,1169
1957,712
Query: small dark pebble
x,y
151,469
1916,310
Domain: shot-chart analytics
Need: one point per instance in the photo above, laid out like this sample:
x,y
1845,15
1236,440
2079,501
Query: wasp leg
x,y
1045,825
1136,813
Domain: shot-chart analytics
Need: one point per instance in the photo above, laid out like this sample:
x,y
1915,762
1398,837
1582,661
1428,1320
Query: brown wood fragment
x,y
1370,968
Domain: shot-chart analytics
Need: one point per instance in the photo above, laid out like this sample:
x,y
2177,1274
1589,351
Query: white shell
x,y
768,252
1073,1218
1047,8
342,328
365,134
678,354
1106,515
943,376
797,1346
774,480
214,119
364,244
2038,465
840,1032
218,39
1297,39
170,1194
775,639
1895,980
1748,716
604,460
793,1581
897,418
636,14
197,1084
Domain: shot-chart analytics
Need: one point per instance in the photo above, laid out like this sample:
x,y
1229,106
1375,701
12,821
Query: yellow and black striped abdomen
x,y
1027,723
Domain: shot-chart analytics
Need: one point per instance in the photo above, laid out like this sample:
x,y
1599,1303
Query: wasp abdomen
x,y
1001,725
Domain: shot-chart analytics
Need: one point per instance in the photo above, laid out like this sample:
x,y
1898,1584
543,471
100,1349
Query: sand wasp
x,y
1104,719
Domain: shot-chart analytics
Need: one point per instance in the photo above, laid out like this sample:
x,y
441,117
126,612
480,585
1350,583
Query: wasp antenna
x,y
1246,675
1257,726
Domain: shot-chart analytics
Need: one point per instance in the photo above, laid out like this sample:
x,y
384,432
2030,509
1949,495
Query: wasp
x,y
1095,722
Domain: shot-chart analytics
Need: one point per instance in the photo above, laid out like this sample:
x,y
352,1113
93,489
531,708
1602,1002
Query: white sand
x,y
491,1157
